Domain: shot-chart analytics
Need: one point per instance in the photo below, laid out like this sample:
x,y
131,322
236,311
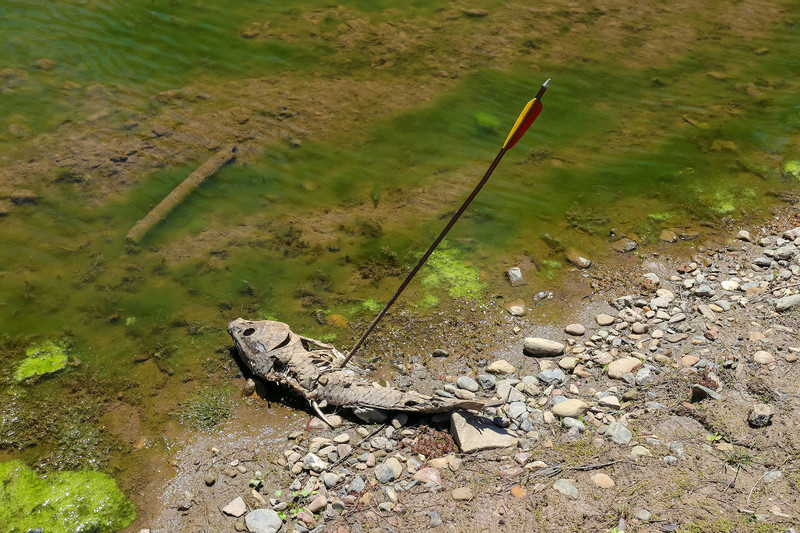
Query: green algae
x,y
792,169
447,270
84,501
43,358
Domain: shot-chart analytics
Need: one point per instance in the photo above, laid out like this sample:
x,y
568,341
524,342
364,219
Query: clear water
x,y
613,148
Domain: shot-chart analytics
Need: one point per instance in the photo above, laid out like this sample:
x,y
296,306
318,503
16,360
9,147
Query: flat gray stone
x,y
555,375
516,409
472,433
564,487
787,302
699,393
263,521
619,433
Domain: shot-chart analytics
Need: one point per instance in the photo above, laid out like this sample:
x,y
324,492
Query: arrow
x,y
524,121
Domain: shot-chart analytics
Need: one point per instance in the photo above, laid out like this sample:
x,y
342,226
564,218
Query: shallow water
x,y
627,144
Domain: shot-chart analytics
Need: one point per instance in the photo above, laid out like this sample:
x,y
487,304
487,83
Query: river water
x,y
365,124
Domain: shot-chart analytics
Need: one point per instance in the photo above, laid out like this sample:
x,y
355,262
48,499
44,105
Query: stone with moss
x,y
61,502
43,358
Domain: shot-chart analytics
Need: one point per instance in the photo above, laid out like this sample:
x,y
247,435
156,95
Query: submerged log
x,y
179,193
310,368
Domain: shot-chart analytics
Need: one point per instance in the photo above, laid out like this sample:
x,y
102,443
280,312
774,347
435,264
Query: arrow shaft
x,y
427,254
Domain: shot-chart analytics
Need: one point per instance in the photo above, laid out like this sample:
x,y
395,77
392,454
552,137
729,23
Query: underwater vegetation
x,y
84,501
446,269
43,358
207,407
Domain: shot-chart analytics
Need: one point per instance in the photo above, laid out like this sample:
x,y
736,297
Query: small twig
x,y
754,488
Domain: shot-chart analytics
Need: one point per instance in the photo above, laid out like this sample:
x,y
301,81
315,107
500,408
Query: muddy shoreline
x,y
689,464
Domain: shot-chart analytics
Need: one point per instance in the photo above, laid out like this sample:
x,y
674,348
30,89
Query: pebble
x,y
576,330
542,347
763,358
514,275
552,376
643,514
620,367
568,363
209,480
500,366
570,422
435,520
619,433
486,381
668,236
609,401
604,319
760,415
603,481
787,302
462,494
566,488
236,508
772,476
572,407
468,383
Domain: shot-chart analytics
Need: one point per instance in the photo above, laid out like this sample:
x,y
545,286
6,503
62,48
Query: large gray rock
x,y
263,521
542,347
787,302
472,433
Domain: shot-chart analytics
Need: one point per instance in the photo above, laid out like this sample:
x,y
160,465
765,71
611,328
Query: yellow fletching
x,y
519,122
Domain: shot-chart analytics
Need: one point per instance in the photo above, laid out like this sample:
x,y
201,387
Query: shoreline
x,y
635,428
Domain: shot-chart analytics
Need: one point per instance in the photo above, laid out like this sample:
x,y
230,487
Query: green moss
x,y
43,358
660,217
723,203
446,269
84,501
792,169
371,304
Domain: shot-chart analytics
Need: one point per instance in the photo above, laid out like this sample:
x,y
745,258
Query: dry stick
x,y
224,156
